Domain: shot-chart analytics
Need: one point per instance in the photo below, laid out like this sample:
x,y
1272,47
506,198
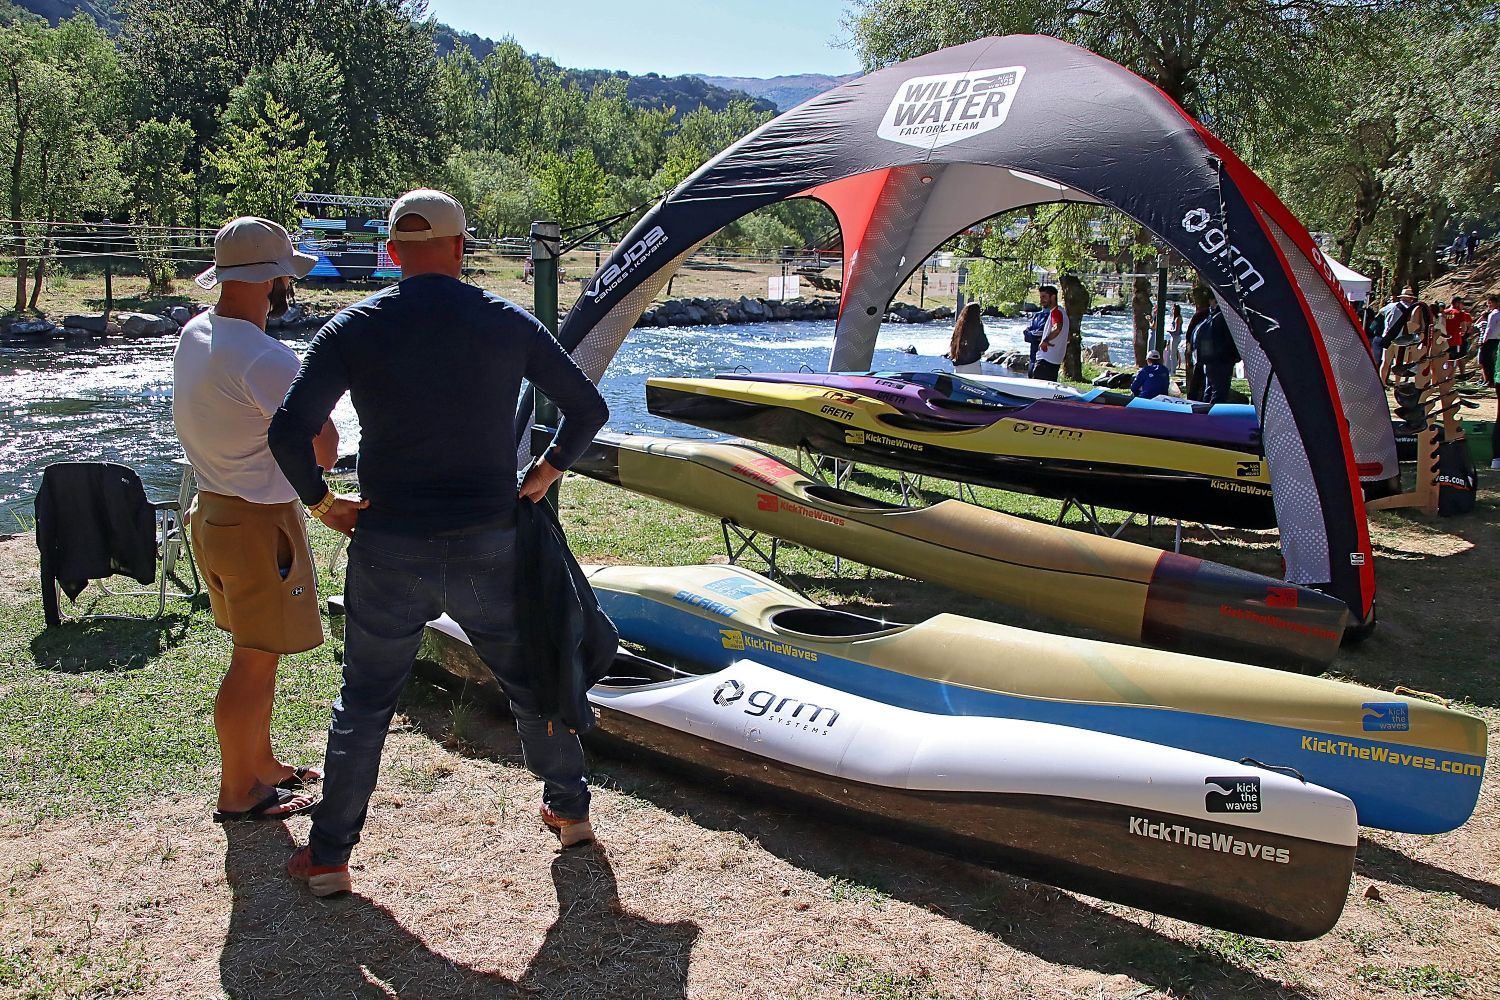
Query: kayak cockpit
x,y
824,625
631,670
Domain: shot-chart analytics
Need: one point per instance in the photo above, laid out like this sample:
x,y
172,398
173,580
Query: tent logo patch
x,y
932,111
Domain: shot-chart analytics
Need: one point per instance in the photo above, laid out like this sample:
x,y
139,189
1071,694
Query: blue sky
x,y
670,37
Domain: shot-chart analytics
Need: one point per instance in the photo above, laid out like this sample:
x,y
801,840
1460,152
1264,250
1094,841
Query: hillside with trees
x,y
196,110
1375,120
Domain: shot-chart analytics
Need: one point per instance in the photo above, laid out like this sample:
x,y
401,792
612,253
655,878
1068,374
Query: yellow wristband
x,y
323,506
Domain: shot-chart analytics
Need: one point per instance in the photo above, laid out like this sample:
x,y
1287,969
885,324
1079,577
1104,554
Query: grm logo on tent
x,y
932,111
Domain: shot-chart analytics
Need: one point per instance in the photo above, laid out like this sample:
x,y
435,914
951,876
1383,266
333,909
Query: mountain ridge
x,y
786,91
652,90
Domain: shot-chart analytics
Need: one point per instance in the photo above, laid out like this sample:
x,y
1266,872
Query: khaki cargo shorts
x,y
241,548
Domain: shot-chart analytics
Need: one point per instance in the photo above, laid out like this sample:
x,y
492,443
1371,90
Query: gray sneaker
x,y
1495,463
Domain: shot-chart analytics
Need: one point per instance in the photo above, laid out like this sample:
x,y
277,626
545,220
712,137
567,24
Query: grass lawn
x,y
113,882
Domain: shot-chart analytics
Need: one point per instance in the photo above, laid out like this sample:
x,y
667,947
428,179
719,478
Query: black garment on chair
x,y
92,521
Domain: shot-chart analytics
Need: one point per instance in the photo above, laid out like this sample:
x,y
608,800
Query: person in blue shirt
x,y
1153,380
434,368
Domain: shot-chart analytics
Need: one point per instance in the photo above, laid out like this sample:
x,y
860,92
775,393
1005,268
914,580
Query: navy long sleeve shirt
x,y
434,368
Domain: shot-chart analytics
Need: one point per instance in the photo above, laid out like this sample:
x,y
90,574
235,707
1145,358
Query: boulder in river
x,y
1097,352
30,327
135,324
94,323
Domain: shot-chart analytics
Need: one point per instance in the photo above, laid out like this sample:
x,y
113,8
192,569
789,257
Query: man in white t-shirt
x,y
1490,344
248,535
1054,343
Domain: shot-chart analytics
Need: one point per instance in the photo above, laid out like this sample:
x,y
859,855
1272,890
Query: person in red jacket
x,y
1456,324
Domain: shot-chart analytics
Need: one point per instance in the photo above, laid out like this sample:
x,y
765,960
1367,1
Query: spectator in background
x,y
1457,324
1192,367
1153,380
1174,346
1034,328
1489,348
1218,354
1392,320
1471,246
966,349
1053,346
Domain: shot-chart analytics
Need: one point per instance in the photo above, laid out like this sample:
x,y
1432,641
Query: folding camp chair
x,y
94,521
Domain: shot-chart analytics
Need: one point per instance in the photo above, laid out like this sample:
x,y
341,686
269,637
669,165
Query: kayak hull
x,y
1409,765
1123,820
1120,471
940,396
1070,843
1131,591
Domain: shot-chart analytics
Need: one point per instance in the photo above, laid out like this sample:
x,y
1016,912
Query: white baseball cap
x,y
1153,355
253,249
442,212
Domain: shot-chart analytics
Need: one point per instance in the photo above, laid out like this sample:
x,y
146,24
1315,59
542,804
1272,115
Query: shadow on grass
x,y
77,647
1029,916
1385,864
284,942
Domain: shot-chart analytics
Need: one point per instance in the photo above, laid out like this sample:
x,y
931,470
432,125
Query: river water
x,y
113,401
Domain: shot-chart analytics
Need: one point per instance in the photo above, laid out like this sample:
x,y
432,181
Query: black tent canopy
x,y
912,154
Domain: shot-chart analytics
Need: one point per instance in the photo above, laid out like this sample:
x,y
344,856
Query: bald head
x,y
436,255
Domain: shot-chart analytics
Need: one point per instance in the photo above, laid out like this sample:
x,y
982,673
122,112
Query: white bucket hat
x,y
253,249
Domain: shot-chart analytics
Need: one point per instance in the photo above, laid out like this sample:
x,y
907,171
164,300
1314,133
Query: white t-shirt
x,y
1492,325
228,380
1059,347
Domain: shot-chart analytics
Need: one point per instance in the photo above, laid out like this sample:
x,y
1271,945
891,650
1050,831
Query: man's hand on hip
x,y
538,481
342,516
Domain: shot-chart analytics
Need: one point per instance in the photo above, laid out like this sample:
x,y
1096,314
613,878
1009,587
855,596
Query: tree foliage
x,y
1375,119
264,162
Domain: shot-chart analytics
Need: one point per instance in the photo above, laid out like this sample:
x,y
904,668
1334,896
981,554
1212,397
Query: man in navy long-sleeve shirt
x,y
434,368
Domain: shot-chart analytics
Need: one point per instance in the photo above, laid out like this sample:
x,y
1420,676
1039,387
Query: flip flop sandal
x,y
299,779
261,810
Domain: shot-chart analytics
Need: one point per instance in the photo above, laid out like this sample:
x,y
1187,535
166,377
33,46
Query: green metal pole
x,y
545,240
1161,302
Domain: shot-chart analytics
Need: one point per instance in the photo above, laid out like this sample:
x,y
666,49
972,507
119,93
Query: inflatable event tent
x,y
910,155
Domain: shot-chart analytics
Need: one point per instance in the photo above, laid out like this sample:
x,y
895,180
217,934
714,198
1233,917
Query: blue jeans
x,y
396,584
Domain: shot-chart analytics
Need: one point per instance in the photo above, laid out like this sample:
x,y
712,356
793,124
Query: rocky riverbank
x,y
673,312
713,312
17,329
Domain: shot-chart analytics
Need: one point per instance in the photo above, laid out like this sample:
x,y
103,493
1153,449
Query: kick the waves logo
x,y
1386,717
617,270
1232,795
1223,843
933,111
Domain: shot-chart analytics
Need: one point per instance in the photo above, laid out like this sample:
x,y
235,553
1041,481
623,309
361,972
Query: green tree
x,y
264,164
309,84
159,191
571,189
1240,67
50,123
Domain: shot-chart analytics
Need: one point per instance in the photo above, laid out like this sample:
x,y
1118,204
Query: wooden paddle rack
x,y
1433,376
